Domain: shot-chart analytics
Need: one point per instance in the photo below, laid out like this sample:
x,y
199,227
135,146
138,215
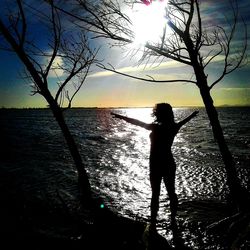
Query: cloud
x,y
56,69
235,89
140,68
232,96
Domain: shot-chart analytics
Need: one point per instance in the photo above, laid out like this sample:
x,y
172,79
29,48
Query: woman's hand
x,y
116,115
195,113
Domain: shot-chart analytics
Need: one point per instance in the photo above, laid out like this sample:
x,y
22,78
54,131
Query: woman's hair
x,y
163,112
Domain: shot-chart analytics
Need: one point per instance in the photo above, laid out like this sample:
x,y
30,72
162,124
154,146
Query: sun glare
x,y
149,21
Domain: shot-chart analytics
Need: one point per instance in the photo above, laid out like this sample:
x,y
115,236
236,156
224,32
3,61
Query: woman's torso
x,y
162,137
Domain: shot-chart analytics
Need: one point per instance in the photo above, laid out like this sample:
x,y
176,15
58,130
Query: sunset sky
x,y
107,89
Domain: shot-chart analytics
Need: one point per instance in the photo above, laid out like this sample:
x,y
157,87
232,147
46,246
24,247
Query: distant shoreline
x,y
45,108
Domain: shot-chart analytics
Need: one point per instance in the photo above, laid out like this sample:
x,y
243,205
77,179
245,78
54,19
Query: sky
x,y
107,89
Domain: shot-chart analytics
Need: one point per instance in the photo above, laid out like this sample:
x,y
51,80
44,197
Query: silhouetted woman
x,y
161,161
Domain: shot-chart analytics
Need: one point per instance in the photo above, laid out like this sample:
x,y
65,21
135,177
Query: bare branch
x,y
105,28
190,17
200,31
212,57
79,86
56,27
24,25
141,78
77,61
232,60
169,54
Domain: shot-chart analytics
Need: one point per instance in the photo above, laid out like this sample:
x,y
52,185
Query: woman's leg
x,y
155,181
169,181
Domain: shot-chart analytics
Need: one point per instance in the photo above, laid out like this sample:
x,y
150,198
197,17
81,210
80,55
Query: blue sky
x,y
105,89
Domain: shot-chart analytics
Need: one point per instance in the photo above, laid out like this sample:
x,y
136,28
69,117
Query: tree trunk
x,y
83,180
236,190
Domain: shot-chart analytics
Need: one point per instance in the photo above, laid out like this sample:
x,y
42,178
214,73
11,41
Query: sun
x,y
149,21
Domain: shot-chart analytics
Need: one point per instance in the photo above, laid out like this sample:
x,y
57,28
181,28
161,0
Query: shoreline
x,y
85,108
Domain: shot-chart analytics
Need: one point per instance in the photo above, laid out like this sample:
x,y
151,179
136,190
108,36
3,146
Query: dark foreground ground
x,y
36,225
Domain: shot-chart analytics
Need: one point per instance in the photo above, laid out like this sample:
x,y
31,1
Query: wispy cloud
x,y
235,89
56,69
141,68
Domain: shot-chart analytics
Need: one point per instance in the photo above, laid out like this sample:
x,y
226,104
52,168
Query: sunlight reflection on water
x,y
195,177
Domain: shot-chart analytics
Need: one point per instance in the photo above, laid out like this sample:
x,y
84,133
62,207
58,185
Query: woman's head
x,y
163,113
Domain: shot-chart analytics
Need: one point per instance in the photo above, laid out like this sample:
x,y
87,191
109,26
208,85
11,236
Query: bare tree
x,y
192,43
67,56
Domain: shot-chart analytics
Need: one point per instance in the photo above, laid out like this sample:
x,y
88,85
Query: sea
x,y
36,166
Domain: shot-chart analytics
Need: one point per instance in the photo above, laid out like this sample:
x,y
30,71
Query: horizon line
x,y
128,107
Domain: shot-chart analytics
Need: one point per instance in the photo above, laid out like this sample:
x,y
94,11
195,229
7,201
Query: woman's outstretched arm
x,y
187,119
133,121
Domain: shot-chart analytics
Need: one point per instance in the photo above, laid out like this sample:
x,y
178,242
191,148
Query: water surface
x,y
35,162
